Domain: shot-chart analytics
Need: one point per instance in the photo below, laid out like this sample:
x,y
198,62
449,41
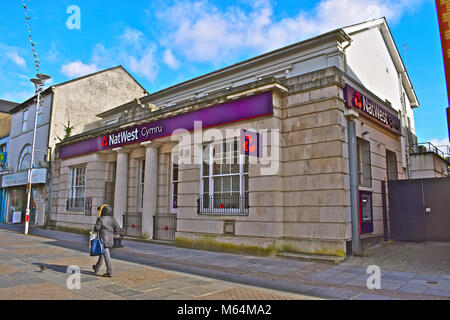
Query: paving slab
x,y
413,288
146,270
130,281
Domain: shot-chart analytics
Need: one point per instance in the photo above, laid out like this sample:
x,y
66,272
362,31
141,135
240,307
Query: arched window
x,y
24,158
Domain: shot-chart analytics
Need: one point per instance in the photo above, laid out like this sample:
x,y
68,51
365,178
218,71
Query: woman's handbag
x,y
97,248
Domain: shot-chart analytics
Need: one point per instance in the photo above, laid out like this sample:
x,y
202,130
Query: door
x,y
407,216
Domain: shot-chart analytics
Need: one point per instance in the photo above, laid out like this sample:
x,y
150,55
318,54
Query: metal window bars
x,y
75,204
223,203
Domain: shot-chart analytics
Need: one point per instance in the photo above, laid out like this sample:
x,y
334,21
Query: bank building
x,y
255,157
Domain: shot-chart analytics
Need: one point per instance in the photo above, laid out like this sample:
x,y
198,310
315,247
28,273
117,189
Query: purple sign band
x,y
248,108
371,110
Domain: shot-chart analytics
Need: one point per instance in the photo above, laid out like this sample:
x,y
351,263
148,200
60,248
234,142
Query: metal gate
x,y
165,226
133,224
420,209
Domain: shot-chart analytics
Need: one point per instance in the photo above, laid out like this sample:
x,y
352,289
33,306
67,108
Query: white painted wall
x,y
370,63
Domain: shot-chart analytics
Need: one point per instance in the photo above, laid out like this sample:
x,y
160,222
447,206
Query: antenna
x,y
405,47
35,54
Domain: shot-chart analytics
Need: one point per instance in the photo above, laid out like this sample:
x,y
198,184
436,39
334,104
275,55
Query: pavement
x,y
154,271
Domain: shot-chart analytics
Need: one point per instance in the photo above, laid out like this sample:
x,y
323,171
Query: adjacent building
x,y
253,157
65,109
5,128
430,161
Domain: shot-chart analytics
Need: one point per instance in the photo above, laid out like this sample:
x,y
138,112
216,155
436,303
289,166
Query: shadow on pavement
x,y
59,269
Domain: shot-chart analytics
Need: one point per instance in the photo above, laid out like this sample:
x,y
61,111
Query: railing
x,y
223,203
75,204
429,147
165,226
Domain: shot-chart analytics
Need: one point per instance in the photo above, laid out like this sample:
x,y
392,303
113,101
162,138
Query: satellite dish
x,y
36,81
43,76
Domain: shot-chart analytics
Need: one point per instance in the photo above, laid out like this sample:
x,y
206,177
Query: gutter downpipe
x,y
351,115
345,55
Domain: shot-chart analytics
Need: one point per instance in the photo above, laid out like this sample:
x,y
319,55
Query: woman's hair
x,y
106,211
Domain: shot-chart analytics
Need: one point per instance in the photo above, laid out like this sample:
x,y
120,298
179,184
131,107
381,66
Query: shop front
x,y
16,197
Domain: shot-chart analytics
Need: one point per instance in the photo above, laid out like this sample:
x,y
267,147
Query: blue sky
x,y
162,43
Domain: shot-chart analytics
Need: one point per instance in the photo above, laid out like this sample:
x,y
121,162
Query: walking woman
x,y
107,226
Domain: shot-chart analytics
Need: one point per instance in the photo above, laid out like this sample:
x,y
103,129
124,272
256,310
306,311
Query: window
x,y
25,121
24,162
391,162
224,179
174,184
77,189
364,166
141,185
3,156
40,111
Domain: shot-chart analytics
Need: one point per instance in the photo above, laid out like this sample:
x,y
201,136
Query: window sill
x,y
73,210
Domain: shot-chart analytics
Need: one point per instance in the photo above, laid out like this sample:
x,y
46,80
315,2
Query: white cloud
x,y
144,65
78,69
202,32
133,50
14,57
170,59
440,142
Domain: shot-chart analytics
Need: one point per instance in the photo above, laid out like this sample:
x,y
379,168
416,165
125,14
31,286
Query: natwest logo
x,y
120,138
251,143
357,101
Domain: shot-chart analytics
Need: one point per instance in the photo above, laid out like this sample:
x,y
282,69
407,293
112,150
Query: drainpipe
x,y
351,115
345,55
49,188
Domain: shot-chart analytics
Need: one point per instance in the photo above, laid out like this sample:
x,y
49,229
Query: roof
x,y
344,34
47,90
7,106
337,34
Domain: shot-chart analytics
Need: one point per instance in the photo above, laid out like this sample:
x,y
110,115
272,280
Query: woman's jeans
x,y
107,257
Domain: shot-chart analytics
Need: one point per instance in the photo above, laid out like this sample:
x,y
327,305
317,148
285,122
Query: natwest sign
x,y
237,110
119,138
371,109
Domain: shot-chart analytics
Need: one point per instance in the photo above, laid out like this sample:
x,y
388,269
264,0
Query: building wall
x,y
96,175
80,101
5,124
262,228
380,76
19,138
315,169
428,165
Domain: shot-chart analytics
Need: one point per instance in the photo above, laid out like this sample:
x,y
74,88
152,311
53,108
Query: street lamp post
x,y
39,85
